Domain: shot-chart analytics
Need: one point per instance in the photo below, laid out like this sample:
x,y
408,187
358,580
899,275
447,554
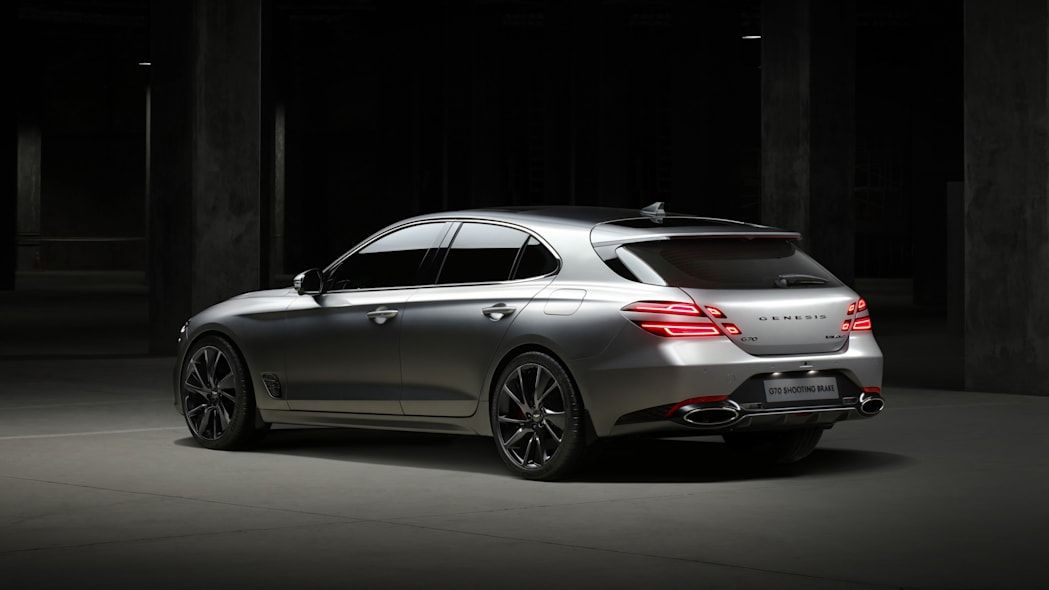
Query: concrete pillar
x,y
705,129
935,89
9,156
205,217
1006,138
808,125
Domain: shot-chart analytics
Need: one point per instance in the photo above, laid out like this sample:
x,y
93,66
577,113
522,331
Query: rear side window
x,y
482,253
536,261
731,263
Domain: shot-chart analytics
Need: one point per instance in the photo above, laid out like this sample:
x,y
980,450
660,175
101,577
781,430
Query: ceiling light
x,y
751,37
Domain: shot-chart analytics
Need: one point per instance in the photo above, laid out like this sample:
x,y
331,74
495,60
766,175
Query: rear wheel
x,y
537,418
217,398
776,446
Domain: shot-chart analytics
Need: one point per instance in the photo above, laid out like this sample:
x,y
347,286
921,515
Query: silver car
x,y
548,329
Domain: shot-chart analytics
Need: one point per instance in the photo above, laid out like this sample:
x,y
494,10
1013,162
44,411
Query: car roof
x,y
584,217
611,225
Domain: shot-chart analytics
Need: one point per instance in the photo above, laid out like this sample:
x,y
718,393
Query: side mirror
x,y
310,282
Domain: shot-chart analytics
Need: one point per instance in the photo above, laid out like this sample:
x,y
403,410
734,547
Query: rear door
x,y
780,300
451,331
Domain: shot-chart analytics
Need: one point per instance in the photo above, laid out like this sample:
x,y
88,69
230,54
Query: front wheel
x,y
776,446
217,398
538,418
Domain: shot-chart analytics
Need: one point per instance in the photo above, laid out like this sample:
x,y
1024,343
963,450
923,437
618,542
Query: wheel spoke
x,y
197,390
195,372
550,388
516,437
509,420
524,409
555,418
521,386
212,365
228,396
196,410
203,423
227,382
223,417
528,450
553,435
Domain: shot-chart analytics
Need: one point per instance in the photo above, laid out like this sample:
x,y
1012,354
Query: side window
x,y
394,260
536,261
481,253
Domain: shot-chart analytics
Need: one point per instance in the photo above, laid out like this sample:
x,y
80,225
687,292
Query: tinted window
x,y
729,263
394,260
536,261
481,253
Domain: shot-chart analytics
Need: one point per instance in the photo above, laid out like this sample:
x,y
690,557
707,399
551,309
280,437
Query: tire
x,y
218,402
525,432
777,446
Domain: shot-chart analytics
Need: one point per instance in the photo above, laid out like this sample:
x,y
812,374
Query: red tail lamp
x,y
862,324
731,329
715,312
665,307
678,329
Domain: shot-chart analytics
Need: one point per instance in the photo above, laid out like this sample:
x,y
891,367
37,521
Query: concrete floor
x,y
100,483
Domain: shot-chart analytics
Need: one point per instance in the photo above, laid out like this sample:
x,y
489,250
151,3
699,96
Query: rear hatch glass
x,y
732,263
781,300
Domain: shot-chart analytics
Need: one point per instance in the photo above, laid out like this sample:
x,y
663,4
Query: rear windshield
x,y
729,263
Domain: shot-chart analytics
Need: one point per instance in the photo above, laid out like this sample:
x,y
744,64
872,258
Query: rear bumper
x,y
640,372
749,420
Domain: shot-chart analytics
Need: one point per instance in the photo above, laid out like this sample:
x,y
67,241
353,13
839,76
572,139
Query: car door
x,y
451,331
343,346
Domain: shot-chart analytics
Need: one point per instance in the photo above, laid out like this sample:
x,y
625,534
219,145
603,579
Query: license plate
x,y
796,390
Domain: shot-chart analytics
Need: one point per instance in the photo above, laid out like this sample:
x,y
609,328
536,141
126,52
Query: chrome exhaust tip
x,y
715,416
871,405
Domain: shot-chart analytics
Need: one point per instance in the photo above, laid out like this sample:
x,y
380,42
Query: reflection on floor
x,y
100,481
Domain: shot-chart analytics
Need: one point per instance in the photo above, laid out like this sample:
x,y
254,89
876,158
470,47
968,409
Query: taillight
x,y
715,312
665,307
731,329
700,328
678,329
862,323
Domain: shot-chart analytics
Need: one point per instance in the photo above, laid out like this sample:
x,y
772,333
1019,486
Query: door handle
x,y
381,315
498,311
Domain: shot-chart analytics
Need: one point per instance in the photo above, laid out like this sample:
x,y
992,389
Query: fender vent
x,y
272,383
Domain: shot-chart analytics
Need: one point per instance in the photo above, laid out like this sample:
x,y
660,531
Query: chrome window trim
x,y
451,220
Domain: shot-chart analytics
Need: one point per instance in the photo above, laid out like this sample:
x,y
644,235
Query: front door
x,y
343,346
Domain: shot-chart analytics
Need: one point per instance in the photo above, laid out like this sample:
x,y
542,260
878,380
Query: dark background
x,y
199,149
